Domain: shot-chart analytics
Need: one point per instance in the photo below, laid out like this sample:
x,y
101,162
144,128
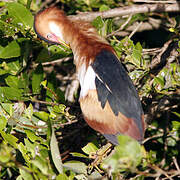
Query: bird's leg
x,y
98,157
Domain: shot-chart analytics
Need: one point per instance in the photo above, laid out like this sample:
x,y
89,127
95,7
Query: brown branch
x,y
127,10
155,1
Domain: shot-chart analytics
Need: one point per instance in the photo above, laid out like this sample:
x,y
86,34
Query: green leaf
x,y
177,114
8,107
37,78
98,23
44,116
62,177
9,139
3,122
12,81
41,163
89,148
56,157
25,174
12,93
12,67
23,151
76,166
53,52
10,51
136,54
5,153
20,14
104,8
31,135
127,155
76,154
159,80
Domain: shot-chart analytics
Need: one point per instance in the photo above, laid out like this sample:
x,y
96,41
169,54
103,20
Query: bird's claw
x,y
98,157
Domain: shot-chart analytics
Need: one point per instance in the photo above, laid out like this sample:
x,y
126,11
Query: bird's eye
x,y
49,36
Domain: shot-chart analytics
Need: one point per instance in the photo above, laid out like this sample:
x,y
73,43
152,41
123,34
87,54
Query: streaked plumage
x,y
108,99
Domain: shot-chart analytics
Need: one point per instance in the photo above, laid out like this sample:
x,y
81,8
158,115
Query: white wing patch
x,y
88,83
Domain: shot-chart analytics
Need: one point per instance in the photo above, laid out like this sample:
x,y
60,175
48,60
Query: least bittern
x,y
108,98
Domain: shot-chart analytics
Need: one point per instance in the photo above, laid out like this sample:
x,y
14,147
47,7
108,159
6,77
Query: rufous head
x,y
48,24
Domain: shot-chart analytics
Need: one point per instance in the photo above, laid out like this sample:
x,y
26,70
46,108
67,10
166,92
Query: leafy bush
x,y
34,113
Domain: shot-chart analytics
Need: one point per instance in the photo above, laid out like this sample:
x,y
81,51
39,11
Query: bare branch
x,y
135,30
156,2
127,10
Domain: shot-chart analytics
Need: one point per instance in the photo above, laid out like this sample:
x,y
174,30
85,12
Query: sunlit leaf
x,y
62,177
3,122
25,174
41,164
56,157
9,139
75,166
44,116
89,148
10,51
127,155
20,14
37,78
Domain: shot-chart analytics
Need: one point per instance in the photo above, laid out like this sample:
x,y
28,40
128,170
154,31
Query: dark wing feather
x,y
114,85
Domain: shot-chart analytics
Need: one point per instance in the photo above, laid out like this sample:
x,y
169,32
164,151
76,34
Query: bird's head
x,y
48,24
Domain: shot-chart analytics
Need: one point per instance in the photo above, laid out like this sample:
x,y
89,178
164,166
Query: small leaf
x,y
62,177
3,122
10,51
89,148
44,116
9,139
137,50
5,153
37,78
31,135
177,114
159,80
76,154
23,151
56,157
12,67
12,81
25,174
41,163
104,8
98,23
127,155
11,93
44,83
20,14
76,166
8,107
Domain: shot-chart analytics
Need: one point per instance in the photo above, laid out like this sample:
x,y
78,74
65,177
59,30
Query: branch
x,y
127,10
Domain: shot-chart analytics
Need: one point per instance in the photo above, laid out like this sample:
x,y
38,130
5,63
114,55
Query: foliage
x,y
33,110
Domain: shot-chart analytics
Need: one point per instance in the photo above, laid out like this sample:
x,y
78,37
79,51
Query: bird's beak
x,y
58,40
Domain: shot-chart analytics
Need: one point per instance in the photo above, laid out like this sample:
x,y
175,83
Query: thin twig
x,y
122,26
160,171
156,2
56,61
127,10
176,164
135,30
44,102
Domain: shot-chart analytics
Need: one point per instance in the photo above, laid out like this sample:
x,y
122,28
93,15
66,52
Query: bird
x,y
108,99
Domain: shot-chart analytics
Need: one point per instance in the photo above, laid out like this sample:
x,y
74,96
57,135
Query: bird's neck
x,y
84,41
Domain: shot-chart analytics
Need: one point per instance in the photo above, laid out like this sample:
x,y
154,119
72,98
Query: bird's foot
x,y
98,157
